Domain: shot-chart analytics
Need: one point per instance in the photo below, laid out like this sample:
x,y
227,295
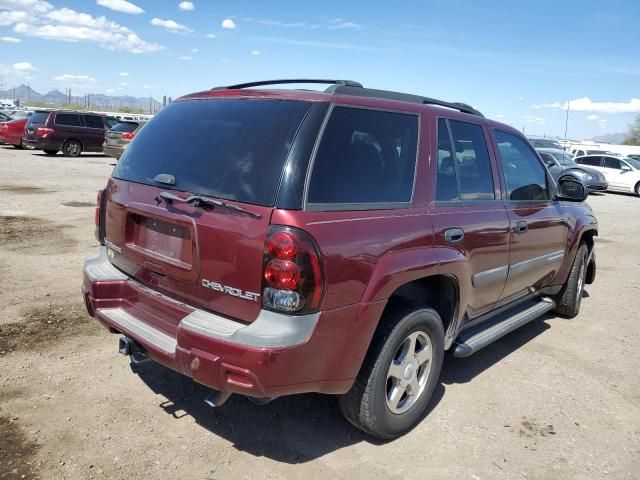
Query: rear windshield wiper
x,y
200,201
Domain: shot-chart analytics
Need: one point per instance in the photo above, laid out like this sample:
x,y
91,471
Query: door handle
x,y
521,227
453,235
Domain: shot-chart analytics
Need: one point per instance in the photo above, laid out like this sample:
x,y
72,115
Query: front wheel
x,y
72,148
569,299
637,189
399,374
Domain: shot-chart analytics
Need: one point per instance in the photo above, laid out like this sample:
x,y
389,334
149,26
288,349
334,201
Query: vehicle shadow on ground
x,y
82,155
301,428
292,429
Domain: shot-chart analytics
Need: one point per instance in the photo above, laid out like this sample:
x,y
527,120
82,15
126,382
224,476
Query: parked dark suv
x,y
273,242
66,131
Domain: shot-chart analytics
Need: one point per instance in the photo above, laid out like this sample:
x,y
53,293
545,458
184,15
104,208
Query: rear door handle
x,y
453,235
521,227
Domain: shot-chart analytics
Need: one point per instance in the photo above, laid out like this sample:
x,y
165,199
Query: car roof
x,y
345,94
550,150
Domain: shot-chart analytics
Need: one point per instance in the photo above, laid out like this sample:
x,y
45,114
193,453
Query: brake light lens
x,y
128,135
44,131
292,274
98,215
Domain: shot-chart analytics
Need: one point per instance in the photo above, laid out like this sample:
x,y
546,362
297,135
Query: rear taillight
x,y
99,216
292,278
44,131
128,135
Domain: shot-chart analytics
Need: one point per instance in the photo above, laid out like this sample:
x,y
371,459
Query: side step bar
x,y
476,338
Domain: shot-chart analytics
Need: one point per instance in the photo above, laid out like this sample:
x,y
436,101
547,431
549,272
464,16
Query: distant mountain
x,y
97,101
612,138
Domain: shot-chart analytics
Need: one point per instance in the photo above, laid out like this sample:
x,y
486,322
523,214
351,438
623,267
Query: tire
x,y
569,299
51,152
637,189
378,403
19,147
72,148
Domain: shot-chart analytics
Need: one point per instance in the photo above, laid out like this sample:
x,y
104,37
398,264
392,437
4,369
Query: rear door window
x,y
592,161
365,157
524,175
228,148
93,121
68,120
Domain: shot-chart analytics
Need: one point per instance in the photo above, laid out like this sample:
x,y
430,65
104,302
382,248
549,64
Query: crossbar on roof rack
x,y
349,83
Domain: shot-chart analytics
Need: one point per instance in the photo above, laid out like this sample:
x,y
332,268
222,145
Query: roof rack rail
x,y
349,83
403,97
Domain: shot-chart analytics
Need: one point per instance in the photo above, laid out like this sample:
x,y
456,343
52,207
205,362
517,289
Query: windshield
x,y
227,148
634,163
563,158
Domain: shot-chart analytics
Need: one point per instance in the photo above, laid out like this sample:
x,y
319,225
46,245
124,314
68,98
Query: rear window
x,y
38,118
124,127
228,148
365,157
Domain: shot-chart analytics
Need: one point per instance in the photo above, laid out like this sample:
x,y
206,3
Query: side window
x,y
548,159
463,174
365,156
93,121
610,162
68,119
592,161
524,176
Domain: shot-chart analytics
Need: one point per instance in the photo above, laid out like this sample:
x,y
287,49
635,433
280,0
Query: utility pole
x,y
566,122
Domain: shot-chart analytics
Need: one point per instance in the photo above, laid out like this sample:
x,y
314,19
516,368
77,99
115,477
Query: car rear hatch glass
x,y
113,137
37,120
226,150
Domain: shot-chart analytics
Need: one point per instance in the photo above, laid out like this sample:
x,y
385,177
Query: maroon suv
x,y
273,242
66,131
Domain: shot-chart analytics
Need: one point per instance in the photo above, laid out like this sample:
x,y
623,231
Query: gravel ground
x,y
557,399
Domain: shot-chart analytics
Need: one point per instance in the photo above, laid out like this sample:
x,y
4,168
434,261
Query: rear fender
x,y
586,228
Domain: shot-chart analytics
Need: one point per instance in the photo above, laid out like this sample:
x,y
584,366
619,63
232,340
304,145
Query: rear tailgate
x,y
232,150
174,248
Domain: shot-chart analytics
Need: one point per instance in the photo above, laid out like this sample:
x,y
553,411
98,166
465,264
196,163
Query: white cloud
x,y
593,116
520,99
120,6
64,24
124,74
67,77
228,24
585,104
211,35
186,58
10,39
602,123
534,120
11,17
186,6
170,25
256,52
147,86
499,116
339,25
276,23
195,50
110,90
23,67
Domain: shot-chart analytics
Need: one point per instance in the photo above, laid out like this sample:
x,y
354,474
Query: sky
x,y
517,62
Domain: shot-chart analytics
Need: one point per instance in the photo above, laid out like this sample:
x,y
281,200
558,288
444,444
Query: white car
x,y
622,173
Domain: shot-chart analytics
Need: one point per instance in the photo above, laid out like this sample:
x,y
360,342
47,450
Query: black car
x,y
561,164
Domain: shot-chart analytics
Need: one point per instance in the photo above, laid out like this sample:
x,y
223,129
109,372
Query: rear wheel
x,y
51,152
569,299
19,146
637,189
399,374
72,148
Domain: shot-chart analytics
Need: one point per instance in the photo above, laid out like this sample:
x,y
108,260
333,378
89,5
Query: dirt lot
x,y
558,399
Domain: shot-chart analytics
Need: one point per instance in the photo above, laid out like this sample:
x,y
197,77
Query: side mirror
x,y
626,168
571,190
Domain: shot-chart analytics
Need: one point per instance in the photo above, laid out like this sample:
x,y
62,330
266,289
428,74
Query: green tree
x,y
633,137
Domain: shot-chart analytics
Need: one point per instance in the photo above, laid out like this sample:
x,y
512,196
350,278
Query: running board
x,y
476,338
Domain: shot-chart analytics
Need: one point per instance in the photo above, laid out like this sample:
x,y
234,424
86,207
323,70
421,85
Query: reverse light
x,y
292,274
